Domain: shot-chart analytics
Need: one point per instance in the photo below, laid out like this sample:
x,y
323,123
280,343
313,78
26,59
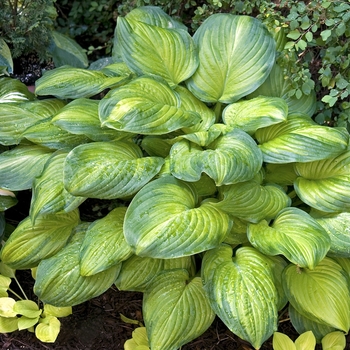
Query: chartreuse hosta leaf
x,y
294,234
252,201
108,170
80,117
334,341
287,143
49,195
148,49
20,165
176,310
29,243
48,329
277,86
305,341
256,113
303,324
13,90
236,54
242,292
58,279
321,294
49,135
145,106
338,228
325,184
164,220
104,244
230,158
137,272
70,83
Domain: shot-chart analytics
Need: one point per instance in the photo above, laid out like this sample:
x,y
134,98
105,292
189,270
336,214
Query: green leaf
x,y
256,113
20,165
277,86
149,49
139,340
282,342
241,291
80,117
176,310
71,83
252,201
164,220
27,322
305,341
48,329
29,243
108,170
104,244
236,54
338,228
294,34
312,293
294,234
49,195
7,307
8,324
57,311
145,106
280,174
325,184
65,50
325,34
137,272
333,340
231,158
5,56
13,90
27,308
285,143
58,279
7,200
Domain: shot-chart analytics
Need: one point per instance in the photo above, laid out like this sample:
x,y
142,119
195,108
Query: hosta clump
x,y
229,197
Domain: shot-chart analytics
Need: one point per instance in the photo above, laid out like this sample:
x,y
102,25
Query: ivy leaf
x,y
325,184
49,195
108,170
312,293
242,292
176,310
148,49
230,158
236,54
164,221
145,106
295,234
104,244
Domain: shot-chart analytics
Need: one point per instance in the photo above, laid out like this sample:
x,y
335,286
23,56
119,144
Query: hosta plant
x,y
228,199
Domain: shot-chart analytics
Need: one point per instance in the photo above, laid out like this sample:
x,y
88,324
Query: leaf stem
x,y
20,287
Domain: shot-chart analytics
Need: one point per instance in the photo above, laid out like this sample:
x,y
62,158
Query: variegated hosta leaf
x,y
277,86
321,294
13,90
252,201
256,113
280,174
303,324
108,170
80,117
156,146
305,144
236,54
145,106
49,195
7,200
58,279
45,133
44,108
231,158
20,165
104,244
338,228
325,184
164,220
70,83
201,138
191,103
176,310
30,243
148,49
137,272
241,291
294,234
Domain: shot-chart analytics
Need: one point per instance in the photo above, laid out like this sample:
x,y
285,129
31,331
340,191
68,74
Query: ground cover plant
x,y
228,198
